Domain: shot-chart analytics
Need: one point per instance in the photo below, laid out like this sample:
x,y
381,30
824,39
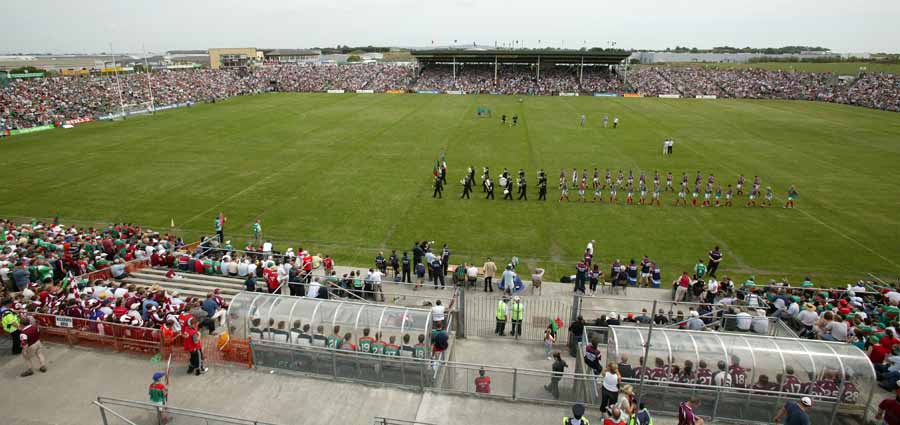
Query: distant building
x,y
291,55
234,57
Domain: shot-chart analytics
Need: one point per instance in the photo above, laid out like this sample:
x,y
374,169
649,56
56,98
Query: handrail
x,y
169,410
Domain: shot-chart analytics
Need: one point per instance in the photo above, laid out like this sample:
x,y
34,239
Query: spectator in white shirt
x,y
761,323
744,321
313,290
267,247
437,313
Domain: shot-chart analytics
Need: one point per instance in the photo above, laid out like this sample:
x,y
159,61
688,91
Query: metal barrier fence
x,y
422,374
480,316
388,421
146,341
127,412
96,334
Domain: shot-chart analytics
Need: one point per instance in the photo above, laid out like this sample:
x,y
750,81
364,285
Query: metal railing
x,y
389,421
138,412
408,372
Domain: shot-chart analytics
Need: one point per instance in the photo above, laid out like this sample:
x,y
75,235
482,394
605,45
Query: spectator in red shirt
x,y
889,340
681,291
889,410
482,383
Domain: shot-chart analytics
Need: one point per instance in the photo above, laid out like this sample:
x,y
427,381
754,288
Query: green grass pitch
x,y
348,175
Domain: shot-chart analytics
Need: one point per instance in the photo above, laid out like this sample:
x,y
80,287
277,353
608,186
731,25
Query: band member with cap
x,y
523,186
467,187
485,176
438,187
489,188
542,185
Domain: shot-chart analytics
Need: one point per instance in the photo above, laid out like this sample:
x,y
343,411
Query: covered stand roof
x,y
548,56
279,317
825,371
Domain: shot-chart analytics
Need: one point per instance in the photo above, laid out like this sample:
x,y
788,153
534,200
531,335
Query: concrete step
x,y
194,279
211,278
178,285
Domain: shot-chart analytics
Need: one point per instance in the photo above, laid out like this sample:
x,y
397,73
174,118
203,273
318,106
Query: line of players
x,y
713,195
735,376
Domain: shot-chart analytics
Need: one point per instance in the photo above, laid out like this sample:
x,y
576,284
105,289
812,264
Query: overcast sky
x,y
89,26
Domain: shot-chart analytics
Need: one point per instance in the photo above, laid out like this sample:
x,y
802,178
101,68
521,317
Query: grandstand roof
x,y
605,57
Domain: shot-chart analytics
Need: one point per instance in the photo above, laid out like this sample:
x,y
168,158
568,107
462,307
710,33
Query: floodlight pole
x,y
581,72
625,81
495,69
118,85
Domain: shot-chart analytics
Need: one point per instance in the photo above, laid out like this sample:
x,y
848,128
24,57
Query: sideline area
x,y
271,397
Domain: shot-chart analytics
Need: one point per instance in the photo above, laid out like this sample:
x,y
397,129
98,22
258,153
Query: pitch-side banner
x,y
395,91
568,94
670,96
706,96
632,95
428,92
77,121
366,91
455,92
31,129
606,95
334,91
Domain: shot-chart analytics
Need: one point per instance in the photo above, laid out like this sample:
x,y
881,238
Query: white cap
x,y
694,313
806,401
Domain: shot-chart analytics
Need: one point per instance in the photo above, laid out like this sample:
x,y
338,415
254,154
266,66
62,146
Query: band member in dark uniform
x,y
485,176
542,186
467,187
472,175
438,187
523,186
489,188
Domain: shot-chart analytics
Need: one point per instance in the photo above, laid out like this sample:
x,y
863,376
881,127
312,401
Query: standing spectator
x,y
502,313
489,270
577,417
482,383
581,270
626,400
20,276
795,414
686,412
642,417
10,322
406,267
549,339
681,290
610,383
577,330
193,346
437,313
889,410
517,315
420,275
559,366
30,339
220,227
715,257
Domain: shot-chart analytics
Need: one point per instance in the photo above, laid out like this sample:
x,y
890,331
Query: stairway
x,y
188,284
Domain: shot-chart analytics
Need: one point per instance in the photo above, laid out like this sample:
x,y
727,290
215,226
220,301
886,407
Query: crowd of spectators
x,y
48,269
39,101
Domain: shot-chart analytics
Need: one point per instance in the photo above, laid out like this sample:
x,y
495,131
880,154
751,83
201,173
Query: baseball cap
x,y
806,401
158,375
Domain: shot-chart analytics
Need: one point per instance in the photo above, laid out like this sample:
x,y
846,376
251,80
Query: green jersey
x,y
700,269
257,229
332,342
392,350
419,351
378,347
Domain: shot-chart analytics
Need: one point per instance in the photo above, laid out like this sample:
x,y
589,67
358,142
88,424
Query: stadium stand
x,y
54,100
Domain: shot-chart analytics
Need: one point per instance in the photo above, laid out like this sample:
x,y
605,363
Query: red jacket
x,y
189,344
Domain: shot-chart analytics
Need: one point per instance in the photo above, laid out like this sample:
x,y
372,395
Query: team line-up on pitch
x,y
713,194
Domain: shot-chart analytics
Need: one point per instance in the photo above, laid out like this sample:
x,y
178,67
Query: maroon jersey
x,y
792,385
765,387
851,393
685,378
704,377
825,388
659,374
738,377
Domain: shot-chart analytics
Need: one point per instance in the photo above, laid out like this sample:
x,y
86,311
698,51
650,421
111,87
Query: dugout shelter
x,y
838,377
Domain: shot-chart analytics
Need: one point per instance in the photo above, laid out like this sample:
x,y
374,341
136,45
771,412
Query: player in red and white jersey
x,y
851,393
763,384
825,387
